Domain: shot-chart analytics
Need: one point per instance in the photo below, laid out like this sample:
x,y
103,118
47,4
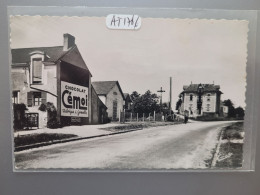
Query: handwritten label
x,y
125,22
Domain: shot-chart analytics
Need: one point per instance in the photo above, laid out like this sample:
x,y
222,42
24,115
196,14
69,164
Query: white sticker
x,y
125,22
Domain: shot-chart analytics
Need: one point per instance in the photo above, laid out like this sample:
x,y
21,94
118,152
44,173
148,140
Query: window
x,y
115,93
208,97
191,97
37,70
37,98
15,97
114,109
208,107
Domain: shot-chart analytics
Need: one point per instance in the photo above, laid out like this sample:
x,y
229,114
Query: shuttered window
x,y
29,99
37,70
36,98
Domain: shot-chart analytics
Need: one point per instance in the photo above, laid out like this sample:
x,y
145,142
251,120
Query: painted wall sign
x,y
125,22
74,100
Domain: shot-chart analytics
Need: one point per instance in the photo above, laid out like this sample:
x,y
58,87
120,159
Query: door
x,y
114,110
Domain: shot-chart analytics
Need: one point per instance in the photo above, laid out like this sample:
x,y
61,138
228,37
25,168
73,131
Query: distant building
x,y
200,100
128,102
112,96
58,75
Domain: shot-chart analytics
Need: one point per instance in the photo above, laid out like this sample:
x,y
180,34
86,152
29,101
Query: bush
x,y
19,115
52,116
43,107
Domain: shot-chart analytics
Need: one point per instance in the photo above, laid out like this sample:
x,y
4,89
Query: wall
x,y
94,107
109,101
212,102
188,103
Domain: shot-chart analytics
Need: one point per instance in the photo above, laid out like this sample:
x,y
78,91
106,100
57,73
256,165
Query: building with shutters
x,y
111,94
201,100
58,75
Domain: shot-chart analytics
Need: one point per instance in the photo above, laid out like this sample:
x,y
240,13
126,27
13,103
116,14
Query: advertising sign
x,y
74,100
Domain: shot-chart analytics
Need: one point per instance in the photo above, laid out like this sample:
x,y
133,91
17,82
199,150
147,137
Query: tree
x,y
240,112
178,104
134,95
146,103
231,108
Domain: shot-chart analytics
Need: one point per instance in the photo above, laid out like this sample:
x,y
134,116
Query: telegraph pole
x,y
170,106
161,91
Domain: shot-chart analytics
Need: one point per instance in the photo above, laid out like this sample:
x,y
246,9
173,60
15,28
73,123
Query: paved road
x,y
177,146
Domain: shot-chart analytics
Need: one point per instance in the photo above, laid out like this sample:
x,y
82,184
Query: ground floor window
x,y
15,97
36,98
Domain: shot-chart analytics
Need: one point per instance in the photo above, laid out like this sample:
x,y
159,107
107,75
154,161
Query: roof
x,y
104,87
22,55
206,88
127,96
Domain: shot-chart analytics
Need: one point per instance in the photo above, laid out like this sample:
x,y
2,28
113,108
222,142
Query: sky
x,y
188,50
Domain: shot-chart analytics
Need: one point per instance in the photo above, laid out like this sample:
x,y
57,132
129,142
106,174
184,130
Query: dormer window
x,y
37,70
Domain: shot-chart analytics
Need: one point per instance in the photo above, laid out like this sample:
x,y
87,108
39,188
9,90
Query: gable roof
x,y
52,54
104,87
193,88
22,55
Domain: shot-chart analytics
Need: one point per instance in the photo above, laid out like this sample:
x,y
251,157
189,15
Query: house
x,y
54,74
128,102
200,100
111,94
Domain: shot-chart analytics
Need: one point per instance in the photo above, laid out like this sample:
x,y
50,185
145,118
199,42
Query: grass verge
x,y
233,131
230,155
138,125
30,139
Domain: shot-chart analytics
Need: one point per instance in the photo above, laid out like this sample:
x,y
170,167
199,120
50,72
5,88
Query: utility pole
x,y
170,106
161,91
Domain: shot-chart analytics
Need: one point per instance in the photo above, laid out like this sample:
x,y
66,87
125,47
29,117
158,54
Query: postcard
x,y
128,92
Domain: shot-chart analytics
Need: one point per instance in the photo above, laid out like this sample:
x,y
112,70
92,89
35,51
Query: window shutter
x,y
44,97
29,99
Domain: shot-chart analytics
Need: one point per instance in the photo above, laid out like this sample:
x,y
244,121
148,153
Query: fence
x,y
144,117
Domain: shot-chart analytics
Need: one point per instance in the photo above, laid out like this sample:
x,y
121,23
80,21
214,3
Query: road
x,y
169,147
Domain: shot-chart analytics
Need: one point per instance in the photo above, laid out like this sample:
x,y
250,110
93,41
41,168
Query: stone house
x,y
111,94
54,74
200,100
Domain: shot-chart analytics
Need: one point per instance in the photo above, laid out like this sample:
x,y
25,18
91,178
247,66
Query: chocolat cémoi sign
x,y
74,100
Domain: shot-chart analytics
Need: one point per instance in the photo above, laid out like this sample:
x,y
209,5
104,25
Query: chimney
x,y
68,41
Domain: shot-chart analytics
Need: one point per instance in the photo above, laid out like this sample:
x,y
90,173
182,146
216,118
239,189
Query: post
x,y
153,115
170,106
149,116
119,115
124,116
143,117
131,115
137,117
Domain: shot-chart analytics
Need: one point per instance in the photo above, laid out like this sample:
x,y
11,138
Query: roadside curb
x,y
26,147
215,156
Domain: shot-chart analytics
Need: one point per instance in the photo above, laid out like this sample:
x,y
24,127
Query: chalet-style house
x,y
201,100
58,75
112,96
